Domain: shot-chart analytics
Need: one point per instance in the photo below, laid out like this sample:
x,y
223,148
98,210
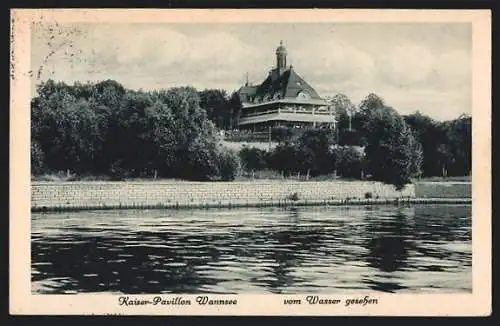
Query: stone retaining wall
x,y
157,193
94,195
443,190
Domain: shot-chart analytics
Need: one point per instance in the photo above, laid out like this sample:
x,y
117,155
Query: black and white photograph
x,y
173,163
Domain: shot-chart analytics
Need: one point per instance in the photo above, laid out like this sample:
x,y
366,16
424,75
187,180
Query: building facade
x,y
283,99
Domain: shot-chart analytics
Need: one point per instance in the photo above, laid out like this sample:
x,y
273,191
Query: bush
x,y
350,138
349,161
294,196
282,134
253,159
284,158
368,195
37,158
229,165
117,172
265,174
313,154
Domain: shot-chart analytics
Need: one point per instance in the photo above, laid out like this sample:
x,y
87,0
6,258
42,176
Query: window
x,y
303,96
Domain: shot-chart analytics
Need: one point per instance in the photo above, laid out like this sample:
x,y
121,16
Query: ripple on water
x,y
314,250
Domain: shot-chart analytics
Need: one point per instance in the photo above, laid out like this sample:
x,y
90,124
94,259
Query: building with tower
x,y
283,99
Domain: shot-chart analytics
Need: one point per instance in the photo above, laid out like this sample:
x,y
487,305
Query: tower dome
x,y
281,56
281,49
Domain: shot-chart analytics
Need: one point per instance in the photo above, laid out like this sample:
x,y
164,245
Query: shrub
x,y
229,165
350,138
117,172
285,157
307,154
37,158
282,134
294,196
368,195
349,161
253,158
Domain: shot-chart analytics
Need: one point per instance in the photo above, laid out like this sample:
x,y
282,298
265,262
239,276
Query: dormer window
x,y
303,96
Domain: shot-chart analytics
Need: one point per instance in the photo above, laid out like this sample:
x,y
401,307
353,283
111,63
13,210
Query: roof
x,y
246,91
250,90
287,85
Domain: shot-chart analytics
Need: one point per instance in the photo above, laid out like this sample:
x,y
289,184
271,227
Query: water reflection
x,y
384,248
389,245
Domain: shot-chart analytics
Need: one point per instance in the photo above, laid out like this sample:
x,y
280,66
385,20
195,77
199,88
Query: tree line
x,y
446,146
104,129
391,153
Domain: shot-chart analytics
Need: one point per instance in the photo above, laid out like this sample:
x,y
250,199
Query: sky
x,y
412,66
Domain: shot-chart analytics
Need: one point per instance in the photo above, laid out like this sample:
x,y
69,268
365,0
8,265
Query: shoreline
x,y
78,196
247,204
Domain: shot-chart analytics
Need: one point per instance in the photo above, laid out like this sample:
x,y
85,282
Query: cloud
x,y
454,68
439,104
142,56
407,64
221,58
333,60
415,66
410,74
152,47
222,49
156,49
131,48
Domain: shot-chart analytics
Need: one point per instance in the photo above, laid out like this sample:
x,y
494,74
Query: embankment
x,y
443,190
46,196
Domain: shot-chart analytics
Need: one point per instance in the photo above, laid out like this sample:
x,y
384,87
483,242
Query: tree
x,y
66,128
427,132
229,165
282,133
344,111
285,158
253,159
235,107
458,135
314,146
216,103
201,161
444,158
128,140
104,128
37,164
394,155
349,161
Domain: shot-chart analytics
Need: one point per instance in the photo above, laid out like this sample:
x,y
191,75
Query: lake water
x,y
417,249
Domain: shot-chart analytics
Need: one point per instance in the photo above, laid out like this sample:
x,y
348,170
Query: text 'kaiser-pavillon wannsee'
x,y
175,301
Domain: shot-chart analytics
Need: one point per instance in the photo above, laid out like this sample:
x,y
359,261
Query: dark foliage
x,y
104,129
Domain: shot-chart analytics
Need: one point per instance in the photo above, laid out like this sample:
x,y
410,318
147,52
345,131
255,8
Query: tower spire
x,y
281,56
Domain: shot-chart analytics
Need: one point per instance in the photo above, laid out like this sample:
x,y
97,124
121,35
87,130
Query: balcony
x,y
312,115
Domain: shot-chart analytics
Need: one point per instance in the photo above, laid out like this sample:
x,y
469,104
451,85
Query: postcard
x,y
312,162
